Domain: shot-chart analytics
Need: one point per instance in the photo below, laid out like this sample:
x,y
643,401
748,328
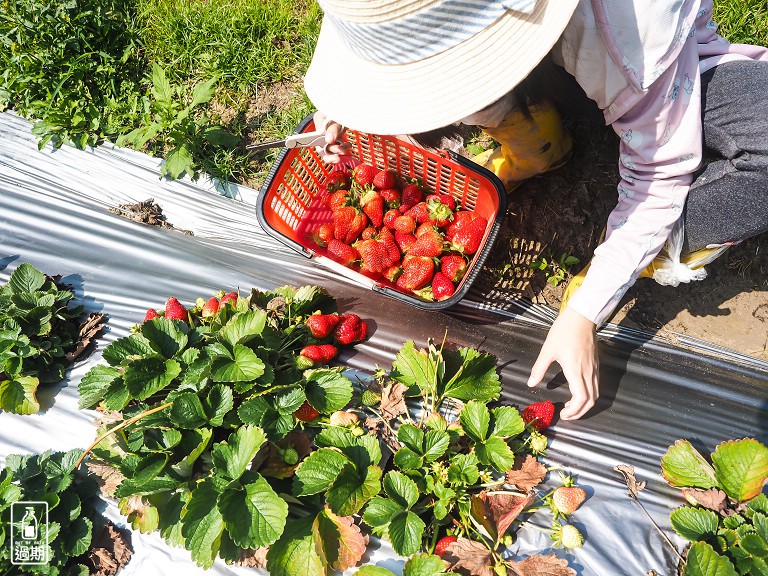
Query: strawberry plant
x,y
77,543
726,518
40,336
554,268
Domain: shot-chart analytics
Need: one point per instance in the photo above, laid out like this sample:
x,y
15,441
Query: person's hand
x,y
571,342
333,131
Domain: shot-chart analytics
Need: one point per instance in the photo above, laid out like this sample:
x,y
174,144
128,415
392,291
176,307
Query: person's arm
x,y
333,131
661,142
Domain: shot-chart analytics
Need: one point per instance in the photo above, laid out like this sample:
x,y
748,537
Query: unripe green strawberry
x,y
570,537
538,442
304,363
290,456
370,398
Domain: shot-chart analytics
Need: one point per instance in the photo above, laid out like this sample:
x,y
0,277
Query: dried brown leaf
x,y
108,477
88,330
340,543
713,498
496,511
542,565
110,551
628,472
253,558
527,473
393,401
470,558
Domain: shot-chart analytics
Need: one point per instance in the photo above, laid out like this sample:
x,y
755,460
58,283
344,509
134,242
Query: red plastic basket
x,y
287,207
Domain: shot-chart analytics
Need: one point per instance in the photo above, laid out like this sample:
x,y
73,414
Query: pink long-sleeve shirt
x,y
659,124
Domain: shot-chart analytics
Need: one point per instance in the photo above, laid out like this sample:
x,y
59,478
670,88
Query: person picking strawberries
x,y
666,82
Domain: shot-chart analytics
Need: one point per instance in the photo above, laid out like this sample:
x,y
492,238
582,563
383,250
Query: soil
x,y
147,212
564,212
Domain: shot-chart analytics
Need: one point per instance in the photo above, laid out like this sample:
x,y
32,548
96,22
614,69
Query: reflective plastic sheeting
x,y
54,215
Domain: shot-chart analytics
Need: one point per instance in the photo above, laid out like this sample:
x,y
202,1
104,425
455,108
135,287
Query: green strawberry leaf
x,y
475,420
202,524
754,545
145,376
380,511
349,492
244,365
425,565
295,553
741,468
759,504
412,367
411,436
694,523
193,444
401,489
77,537
252,410
288,401
704,561
362,450
168,337
328,390
243,327
218,404
318,471
463,469
127,348
406,459
373,571
95,383
405,532
497,453
470,375
760,521
682,466
26,279
506,422
17,395
187,411
253,513
233,456
148,469
435,445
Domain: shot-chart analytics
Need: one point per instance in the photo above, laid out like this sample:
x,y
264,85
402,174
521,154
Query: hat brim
x,y
435,91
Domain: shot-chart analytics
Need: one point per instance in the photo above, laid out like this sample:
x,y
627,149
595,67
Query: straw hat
x,y
409,66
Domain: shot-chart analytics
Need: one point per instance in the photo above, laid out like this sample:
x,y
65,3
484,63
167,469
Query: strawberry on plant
x,y
175,311
385,179
537,442
539,414
364,174
373,207
323,235
466,231
567,498
417,272
454,266
306,413
350,329
228,297
442,545
321,325
342,253
303,363
567,536
442,287
320,353
151,313
210,307
290,456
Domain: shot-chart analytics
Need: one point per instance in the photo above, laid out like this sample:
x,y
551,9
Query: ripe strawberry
x,y
338,199
454,266
440,212
405,224
390,216
567,498
404,241
320,353
391,197
419,212
342,253
210,308
373,254
323,235
385,179
348,224
393,272
466,231
442,287
390,245
368,233
364,174
442,545
539,414
229,297
568,536
373,207
417,272
321,325
306,413
337,180
429,243
372,274
151,313
175,311
410,196
350,329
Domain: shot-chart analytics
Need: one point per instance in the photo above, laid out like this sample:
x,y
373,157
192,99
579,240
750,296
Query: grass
x,y
743,21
